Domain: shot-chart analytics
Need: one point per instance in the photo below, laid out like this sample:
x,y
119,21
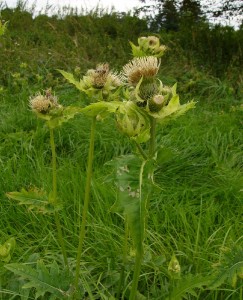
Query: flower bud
x,y
148,46
174,267
130,120
156,103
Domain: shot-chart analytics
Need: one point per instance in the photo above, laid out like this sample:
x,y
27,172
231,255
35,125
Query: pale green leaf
x,y
173,110
100,108
35,199
66,114
70,78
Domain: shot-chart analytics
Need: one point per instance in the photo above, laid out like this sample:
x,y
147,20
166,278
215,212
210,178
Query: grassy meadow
x,y
196,205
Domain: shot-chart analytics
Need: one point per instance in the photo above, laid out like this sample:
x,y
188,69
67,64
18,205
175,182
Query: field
x,y
194,221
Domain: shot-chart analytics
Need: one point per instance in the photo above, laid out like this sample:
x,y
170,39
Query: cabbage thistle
x,y
99,84
46,107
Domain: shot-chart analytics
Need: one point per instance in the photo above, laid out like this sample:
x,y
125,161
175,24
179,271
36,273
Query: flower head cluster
x,y
140,67
101,82
102,77
43,104
148,46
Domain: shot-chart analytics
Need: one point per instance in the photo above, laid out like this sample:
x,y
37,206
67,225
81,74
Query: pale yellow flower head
x,y
146,67
43,103
102,76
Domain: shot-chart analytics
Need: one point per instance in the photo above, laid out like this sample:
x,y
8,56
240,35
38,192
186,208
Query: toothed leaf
x,y
35,199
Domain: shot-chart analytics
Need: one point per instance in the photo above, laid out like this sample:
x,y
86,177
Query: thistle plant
x,y
139,106
160,103
47,108
99,84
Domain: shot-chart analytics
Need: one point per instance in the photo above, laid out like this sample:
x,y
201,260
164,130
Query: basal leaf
x,y
44,279
35,199
230,268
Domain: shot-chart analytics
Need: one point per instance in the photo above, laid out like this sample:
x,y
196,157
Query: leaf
x,y
173,110
230,268
101,108
187,285
43,279
66,114
136,51
70,78
36,200
133,179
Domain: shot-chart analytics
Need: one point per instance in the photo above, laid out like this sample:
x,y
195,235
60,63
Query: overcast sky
x,y
119,5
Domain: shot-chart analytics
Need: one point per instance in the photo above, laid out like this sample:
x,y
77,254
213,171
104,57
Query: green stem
x,y
54,196
86,202
152,142
54,166
144,206
138,262
124,260
141,151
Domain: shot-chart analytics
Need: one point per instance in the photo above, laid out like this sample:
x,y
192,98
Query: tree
x,y
167,17
221,11
190,11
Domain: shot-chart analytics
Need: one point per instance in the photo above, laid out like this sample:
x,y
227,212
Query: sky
x,y
119,5
88,5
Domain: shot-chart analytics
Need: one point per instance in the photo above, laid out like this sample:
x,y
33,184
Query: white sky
x,y
119,5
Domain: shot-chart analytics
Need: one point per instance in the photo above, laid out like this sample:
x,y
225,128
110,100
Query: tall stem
x,y
144,207
152,142
54,196
124,260
138,263
141,151
86,201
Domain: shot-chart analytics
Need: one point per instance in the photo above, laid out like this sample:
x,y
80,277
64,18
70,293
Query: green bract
x,y
133,122
148,46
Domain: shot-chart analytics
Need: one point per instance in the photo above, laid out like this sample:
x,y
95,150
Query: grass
x,y
195,211
195,207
